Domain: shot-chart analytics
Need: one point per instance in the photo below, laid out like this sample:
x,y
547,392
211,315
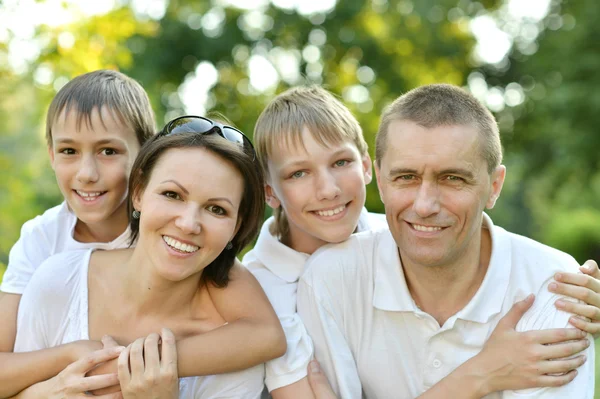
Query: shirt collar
x,y
391,292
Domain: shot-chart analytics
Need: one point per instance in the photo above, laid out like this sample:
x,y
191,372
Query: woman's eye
x,y
109,151
217,210
172,195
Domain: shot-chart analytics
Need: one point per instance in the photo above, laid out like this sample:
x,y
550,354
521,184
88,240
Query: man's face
x,y
435,184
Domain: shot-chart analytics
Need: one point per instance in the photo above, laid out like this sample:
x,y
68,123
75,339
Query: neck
x,y
151,294
442,291
104,231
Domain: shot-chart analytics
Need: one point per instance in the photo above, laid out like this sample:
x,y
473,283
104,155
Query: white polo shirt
x,y
278,267
371,339
42,237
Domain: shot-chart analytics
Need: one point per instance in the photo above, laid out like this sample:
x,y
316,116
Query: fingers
x,y
584,294
586,311
556,381
97,382
151,357
136,358
554,336
123,367
586,325
517,311
169,353
109,342
90,361
318,382
563,350
115,395
590,267
557,367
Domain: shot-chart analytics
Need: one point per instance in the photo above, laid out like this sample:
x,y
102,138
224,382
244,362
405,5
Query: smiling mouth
x,y
331,212
428,229
180,246
89,195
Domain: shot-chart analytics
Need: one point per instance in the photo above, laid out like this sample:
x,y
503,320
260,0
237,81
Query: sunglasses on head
x,y
202,125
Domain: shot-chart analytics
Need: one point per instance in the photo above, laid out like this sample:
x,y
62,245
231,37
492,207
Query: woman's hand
x,y
152,375
513,360
586,288
72,383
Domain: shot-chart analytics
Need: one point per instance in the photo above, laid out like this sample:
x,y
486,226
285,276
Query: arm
x,y
586,288
252,336
330,343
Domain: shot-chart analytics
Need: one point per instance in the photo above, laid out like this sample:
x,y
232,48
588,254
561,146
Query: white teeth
x,y
89,196
331,212
418,227
180,246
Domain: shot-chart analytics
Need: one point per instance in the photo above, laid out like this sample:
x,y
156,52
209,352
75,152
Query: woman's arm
x,y
252,336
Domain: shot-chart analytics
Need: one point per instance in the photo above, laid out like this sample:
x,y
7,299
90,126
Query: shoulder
x,y
372,221
59,270
52,221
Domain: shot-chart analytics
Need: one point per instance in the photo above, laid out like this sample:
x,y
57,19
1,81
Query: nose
x,y
188,221
327,186
427,201
88,170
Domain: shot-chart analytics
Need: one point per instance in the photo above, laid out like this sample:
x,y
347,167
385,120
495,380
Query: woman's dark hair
x,y
251,208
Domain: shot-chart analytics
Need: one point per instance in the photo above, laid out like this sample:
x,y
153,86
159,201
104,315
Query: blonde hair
x,y
115,90
281,123
438,105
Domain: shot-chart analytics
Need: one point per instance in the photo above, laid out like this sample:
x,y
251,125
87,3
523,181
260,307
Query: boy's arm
x,y
251,336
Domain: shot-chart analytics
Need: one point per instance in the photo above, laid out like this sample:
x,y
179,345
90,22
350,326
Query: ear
x,y
136,199
378,179
497,177
367,169
271,197
51,155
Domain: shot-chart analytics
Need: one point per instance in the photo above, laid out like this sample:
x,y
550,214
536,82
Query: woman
x,y
196,200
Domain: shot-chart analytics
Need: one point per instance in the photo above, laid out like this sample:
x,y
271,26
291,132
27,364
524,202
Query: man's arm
x,y
331,349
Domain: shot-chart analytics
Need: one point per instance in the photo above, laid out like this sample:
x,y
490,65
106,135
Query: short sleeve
x,y
28,253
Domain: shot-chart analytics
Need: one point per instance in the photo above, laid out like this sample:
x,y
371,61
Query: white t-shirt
x,y
278,267
373,341
54,311
42,237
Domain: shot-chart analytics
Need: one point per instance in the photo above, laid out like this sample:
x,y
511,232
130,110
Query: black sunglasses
x,y
202,125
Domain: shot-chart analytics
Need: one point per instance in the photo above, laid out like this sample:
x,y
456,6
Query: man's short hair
x,y
443,105
121,94
281,123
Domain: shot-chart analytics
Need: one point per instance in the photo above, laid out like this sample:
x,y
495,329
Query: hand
x,y
80,349
318,382
109,367
152,376
72,382
513,360
586,288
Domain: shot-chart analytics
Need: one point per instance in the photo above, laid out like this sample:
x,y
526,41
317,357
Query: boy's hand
x,y
586,288
73,383
318,382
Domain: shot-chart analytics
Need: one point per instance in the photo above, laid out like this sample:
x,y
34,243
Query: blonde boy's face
x,y
92,164
321,189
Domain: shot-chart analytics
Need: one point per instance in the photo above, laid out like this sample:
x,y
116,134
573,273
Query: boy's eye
x,y
297,174
109,151
342,162
66,151
217,210
171,194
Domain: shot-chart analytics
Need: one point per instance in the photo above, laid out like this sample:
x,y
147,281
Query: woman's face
x,y
189,211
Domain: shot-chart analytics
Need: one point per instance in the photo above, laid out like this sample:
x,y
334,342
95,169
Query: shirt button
x,y
437,363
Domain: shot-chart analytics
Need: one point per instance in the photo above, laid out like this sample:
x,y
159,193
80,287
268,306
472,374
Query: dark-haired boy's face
x,y
92,162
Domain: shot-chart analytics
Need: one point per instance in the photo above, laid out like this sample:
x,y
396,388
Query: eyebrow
x,y
187,192
452,171
100,142
303,161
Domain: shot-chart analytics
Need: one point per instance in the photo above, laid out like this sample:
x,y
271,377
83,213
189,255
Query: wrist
x,y
474,379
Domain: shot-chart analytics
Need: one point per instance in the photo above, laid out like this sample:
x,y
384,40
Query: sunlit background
x,y
534,63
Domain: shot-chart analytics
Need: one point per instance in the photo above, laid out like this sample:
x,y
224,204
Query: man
x,y
393,312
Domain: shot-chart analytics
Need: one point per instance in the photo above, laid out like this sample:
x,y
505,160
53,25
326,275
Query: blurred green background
x,y
534,63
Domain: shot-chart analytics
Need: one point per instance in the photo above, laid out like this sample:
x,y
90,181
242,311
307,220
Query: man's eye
x,y
406,177
172,195
454,178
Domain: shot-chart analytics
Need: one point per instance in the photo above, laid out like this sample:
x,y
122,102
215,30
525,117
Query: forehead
x,y
198,169
411,145
307,145
103,122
